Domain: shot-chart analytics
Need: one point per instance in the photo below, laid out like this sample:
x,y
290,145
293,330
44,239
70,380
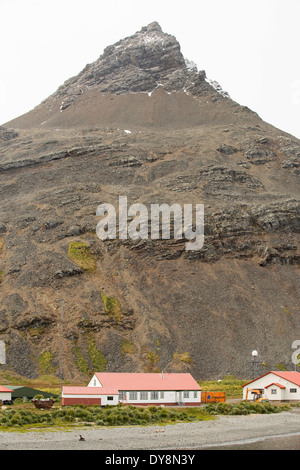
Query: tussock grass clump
x,y
243,408
126,415
182,357
120,415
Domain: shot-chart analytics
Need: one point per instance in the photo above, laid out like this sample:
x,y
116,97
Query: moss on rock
x,y
81,255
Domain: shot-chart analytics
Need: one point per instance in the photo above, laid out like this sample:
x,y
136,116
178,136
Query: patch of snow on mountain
x,y
217,87
146,38
190,65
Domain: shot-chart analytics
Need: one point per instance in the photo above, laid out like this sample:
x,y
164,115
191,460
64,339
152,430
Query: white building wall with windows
x,y
290,392
274,393
158,396
274,388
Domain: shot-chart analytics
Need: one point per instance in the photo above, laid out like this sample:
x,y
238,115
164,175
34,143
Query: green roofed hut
x,y
19,391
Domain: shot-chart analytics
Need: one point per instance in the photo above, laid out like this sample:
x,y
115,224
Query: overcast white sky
x,y
250,47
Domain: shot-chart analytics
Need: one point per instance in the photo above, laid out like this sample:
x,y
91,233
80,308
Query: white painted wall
x,y
166,396
278,396
94,382
5,396
105,401
282,394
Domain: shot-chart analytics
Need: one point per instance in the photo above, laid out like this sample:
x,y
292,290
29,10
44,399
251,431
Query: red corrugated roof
x,y
69,390
275,383
5,389
290,376
147,381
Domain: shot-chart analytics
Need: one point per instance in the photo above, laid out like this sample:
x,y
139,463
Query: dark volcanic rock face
x,y
147,304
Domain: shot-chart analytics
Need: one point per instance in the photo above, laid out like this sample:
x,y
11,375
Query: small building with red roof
x,y
5,394
89,396
144,389
275,386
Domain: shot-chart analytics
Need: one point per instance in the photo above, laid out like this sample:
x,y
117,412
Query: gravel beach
x,y
272,431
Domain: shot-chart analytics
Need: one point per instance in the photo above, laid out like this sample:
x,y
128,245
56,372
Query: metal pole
x,y
254,368
254,356
61,301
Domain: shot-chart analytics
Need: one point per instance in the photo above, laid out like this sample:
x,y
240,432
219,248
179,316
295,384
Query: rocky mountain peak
x,y
142,62
154,26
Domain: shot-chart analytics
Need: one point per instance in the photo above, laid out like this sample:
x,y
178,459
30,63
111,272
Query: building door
x,y
179,396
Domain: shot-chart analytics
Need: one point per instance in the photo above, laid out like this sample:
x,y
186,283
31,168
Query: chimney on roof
x,y
162,374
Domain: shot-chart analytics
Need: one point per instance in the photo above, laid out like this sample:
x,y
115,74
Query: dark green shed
x,y
20,391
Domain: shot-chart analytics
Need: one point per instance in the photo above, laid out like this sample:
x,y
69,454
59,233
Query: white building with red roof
x,y
275,386
137,389
5,394
89,396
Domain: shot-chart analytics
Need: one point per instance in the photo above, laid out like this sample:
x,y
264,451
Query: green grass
x,y
80,361
120,415
45,363
244,408
182,357
81,255
127,347
229,384
112,306
98,359
26,417
93,360
1,244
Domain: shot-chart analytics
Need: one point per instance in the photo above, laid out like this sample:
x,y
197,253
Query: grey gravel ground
x,y
280,431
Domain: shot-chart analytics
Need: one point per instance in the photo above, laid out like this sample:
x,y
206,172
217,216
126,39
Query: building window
x,y
110,398
293,390
144,395
122,395
273,391
162,394
132,395
95,382
186,394
154,395
195,394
